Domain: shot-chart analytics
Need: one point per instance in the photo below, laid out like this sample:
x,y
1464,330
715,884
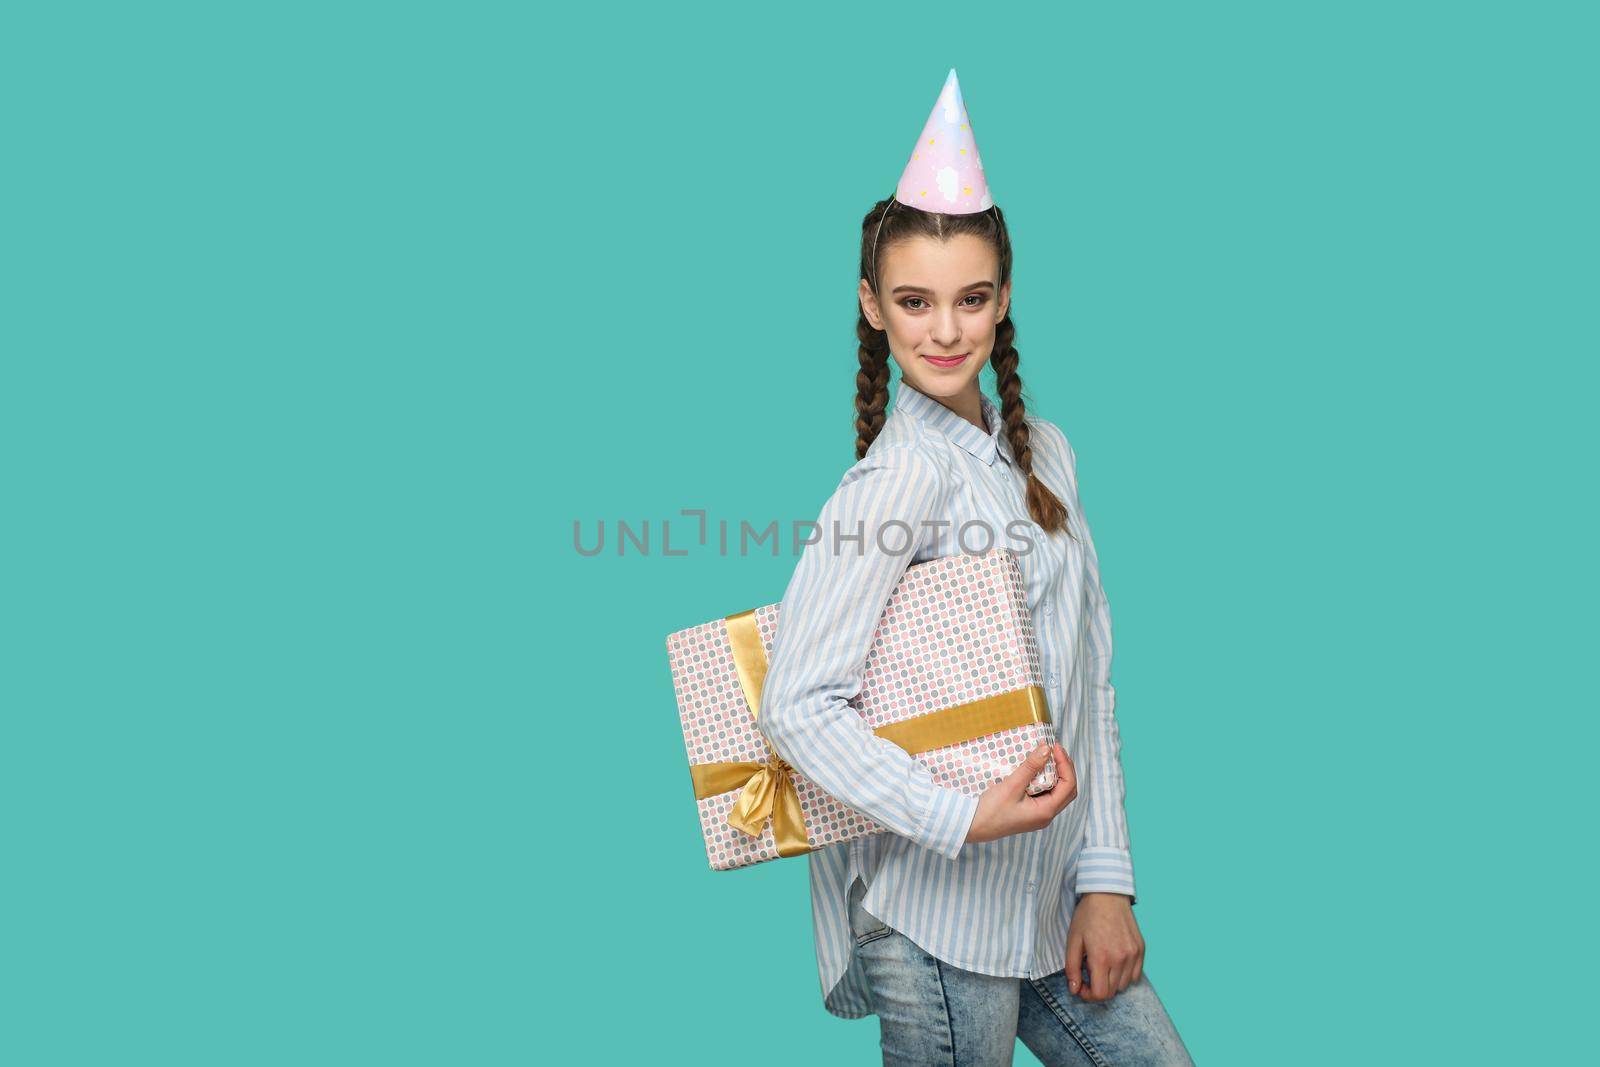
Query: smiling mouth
x,y
947,361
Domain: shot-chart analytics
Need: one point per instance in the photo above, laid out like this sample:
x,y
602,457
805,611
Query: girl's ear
x,y
1002,305
869,305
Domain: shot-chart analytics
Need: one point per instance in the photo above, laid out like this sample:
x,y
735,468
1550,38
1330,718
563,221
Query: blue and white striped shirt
x,y
999,907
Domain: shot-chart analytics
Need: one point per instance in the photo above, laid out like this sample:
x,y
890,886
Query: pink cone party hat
x,y
945,173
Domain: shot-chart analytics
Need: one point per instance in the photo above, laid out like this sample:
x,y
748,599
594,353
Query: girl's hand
x,y
1005,808
1104,934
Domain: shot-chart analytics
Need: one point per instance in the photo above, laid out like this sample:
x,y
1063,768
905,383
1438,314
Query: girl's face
x,y
940,298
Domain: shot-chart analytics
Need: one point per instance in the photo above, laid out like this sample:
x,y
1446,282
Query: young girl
x,y
976,920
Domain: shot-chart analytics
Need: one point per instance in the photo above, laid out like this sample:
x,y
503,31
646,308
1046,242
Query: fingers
x,y
1066,788
1104,974
1099,977
1030,768
1066,773
1107,976
1104,941
1025,812
1074,959
1016,783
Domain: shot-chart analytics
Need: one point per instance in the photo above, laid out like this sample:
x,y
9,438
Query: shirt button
x,y
1049,608
1030,885
1051,678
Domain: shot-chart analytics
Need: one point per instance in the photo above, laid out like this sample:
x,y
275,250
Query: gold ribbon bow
x,y
768,793
768,785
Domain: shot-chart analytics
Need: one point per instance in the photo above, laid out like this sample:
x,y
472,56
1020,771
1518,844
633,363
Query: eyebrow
x,y
919,289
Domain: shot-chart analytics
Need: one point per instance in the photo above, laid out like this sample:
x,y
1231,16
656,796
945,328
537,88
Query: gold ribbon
x,y
768,790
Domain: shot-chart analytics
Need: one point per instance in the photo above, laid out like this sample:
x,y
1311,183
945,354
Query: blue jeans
x,y
934,1015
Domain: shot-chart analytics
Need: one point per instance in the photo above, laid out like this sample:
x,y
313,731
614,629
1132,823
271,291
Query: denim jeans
x,y
932,1014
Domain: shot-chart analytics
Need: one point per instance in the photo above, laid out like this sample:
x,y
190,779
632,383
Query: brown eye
x,y
908,300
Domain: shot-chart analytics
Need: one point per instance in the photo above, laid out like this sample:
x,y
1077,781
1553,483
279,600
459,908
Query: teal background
x,y
323,324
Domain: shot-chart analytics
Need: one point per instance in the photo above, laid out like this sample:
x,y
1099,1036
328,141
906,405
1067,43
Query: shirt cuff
x,y
949,818
1103,869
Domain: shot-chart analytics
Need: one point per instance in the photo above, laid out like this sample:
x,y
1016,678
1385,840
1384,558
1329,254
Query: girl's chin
x,y
945,381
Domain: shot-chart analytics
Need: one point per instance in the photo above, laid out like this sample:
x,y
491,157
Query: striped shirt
x,y
998,907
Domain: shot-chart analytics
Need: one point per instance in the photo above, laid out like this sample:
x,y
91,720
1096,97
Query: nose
x,y
945,329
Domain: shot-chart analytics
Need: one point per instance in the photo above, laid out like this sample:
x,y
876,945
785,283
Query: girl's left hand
x,y
1106,935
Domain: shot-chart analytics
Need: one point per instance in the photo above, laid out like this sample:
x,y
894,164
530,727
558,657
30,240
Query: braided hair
x,y
881,228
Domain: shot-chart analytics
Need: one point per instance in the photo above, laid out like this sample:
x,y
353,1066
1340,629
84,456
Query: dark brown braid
x,y
872,383
1045,507
878,233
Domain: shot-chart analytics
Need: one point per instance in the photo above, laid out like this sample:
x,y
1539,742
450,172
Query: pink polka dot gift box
x,y
952,676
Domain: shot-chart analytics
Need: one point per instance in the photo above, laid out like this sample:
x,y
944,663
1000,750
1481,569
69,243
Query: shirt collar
x,y
985,446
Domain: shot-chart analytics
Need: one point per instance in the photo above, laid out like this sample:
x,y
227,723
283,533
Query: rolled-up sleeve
x,y
1106,862
867,534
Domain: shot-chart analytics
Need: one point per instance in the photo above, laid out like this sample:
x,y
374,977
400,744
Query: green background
x,y
324,323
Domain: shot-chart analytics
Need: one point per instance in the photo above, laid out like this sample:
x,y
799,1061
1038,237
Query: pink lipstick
x,y
948,361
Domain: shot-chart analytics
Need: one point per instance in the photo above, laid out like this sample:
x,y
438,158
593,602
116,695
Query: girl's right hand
x,y
1005,808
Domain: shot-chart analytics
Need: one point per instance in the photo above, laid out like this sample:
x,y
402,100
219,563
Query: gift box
x,y
970,706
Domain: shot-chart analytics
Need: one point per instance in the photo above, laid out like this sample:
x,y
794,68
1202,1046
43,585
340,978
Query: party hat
x,y
945,173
